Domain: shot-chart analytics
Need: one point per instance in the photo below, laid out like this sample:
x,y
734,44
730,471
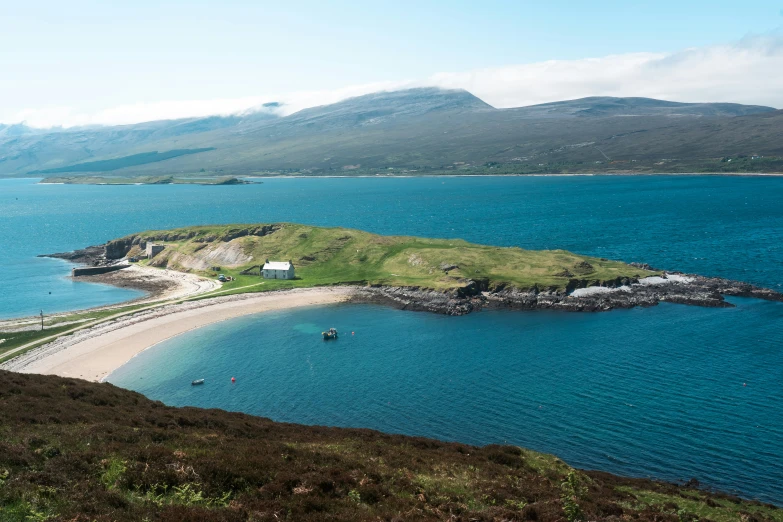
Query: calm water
x,y
655,392
645,392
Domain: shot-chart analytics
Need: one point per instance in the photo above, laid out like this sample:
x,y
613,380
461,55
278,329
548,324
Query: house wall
x,y
278,274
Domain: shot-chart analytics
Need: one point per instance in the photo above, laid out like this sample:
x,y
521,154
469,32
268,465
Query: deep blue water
x,y
644,392
724,226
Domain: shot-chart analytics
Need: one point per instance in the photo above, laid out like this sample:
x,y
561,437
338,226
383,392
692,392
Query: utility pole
x,y
42,321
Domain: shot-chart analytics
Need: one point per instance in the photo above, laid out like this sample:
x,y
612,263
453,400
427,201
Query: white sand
x,y
181,285
94,353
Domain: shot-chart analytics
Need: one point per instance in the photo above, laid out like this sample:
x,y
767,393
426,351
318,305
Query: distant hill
x,y
604,106
421,130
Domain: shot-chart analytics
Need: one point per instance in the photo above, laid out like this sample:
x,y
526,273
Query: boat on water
x,y
331,333
197,382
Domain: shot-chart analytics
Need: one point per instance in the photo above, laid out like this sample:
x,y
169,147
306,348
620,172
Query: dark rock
x,y
88,256
475,295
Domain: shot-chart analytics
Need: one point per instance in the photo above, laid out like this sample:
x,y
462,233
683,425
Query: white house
x,y
278,270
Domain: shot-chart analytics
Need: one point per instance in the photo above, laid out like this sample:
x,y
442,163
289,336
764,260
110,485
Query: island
x,y
144,180
449,276
196,276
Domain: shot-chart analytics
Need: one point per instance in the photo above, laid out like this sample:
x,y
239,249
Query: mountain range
x,y
415,130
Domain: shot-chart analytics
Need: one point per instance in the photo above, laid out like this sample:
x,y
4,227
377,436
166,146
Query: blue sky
x,y
83,57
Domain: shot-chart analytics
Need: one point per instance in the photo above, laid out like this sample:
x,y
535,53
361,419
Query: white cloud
x,y
748,71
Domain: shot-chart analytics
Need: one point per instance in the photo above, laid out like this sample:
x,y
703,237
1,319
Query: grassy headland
x,y
144,180
73,450
330,256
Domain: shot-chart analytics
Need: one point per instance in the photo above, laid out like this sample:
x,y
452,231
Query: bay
x,y
654,392
671,392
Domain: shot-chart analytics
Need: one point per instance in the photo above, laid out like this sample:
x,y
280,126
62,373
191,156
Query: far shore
x,y
455,175
94,353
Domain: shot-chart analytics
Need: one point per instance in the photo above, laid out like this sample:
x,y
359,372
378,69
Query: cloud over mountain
x,y
747,71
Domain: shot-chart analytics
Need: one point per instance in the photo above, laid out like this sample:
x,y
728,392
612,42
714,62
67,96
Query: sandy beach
x,y
160,284
93,353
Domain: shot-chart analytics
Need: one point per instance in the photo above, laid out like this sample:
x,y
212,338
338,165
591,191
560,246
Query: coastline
x,y
93,353
158,283
564,174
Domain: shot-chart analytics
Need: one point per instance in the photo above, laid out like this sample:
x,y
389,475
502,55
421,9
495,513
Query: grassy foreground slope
x,y
73,450
326,256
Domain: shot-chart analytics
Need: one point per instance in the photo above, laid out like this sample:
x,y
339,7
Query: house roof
x,y
277,265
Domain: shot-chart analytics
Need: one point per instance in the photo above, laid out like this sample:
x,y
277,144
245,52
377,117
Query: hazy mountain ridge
x,y
417,128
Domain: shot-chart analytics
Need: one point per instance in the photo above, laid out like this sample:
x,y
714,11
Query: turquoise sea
x,y
673,392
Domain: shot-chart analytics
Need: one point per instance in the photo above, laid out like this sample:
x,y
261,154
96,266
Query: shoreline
x,y
450,175
159,285
94,353
533,175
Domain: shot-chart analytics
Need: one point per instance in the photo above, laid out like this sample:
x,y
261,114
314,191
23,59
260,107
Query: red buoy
x,y
233,380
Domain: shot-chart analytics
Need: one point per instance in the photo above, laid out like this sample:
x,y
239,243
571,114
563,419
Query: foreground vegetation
x,y
328,256
73,450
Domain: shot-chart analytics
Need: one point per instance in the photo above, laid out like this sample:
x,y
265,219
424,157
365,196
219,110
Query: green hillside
x,y
423,130
326,256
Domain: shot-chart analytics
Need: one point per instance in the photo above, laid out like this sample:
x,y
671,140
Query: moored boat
x,y
197,381
329,334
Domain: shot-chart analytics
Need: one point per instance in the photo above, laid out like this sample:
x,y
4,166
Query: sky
x,y
87,62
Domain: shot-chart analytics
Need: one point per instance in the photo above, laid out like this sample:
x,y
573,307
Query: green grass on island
x,y
145,180
332,256
80,451
340,256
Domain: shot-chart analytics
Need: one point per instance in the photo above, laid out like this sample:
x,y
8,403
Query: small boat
x,y
197,382
329,334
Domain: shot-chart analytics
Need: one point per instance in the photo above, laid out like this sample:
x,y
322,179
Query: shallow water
x,y
647,392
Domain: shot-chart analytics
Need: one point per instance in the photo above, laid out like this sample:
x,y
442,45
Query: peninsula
x,y
144,180
447,276
308,472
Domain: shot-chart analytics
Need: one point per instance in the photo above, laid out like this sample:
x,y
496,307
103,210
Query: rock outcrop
x,y
673,288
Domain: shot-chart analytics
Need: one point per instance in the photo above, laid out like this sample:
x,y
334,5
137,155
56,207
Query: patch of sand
x,y
93,353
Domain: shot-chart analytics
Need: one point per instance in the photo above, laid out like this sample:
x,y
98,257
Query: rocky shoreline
x,y
579,296
90,256
672,287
